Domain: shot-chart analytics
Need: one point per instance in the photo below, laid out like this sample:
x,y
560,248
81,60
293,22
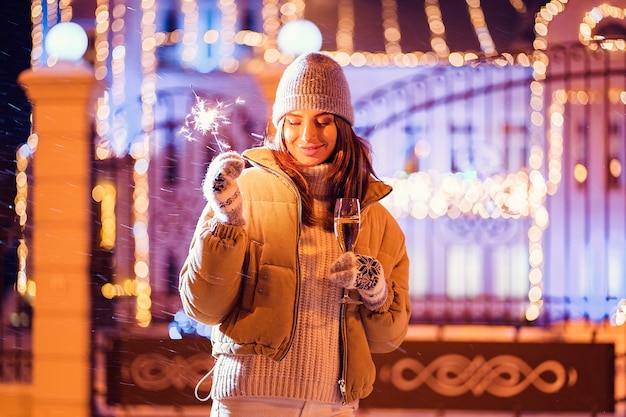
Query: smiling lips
x,y
311,150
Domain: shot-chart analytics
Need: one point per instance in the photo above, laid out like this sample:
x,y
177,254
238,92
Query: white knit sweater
x,y
311,368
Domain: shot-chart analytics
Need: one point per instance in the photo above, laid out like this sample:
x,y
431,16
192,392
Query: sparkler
x,y
208,120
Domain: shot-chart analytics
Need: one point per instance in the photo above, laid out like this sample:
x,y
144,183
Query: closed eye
x,y
324,121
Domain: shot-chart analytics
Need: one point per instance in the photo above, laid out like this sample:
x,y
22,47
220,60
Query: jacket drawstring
x,y
200,382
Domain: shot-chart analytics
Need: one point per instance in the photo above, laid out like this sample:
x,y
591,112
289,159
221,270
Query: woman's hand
x,y
363,273
221,189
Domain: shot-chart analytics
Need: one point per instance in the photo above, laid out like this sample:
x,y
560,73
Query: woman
x,y
265,268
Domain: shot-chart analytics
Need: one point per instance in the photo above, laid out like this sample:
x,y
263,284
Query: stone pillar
x,y
60,248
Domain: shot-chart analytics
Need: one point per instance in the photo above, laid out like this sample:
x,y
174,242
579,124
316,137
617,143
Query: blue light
x,y
183,324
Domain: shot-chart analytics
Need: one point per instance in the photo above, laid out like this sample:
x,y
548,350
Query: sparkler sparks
x,y
208,120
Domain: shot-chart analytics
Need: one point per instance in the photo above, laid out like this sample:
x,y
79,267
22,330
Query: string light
x,y
477,17
345,26
37,33
189,10
271,27
228,8
437,28
52,13
119,124
519,6
105,194
66,10
290,11
591,20
542,187
140,151
101,55
391,27
274,15
101,43
24,286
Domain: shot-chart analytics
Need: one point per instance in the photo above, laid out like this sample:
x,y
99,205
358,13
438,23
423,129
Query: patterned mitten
x,y
221,189
363,273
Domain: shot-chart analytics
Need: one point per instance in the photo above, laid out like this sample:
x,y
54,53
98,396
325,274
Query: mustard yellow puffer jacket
x,y
245,279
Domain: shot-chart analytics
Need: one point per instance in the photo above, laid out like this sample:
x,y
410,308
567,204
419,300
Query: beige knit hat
x,y
313,81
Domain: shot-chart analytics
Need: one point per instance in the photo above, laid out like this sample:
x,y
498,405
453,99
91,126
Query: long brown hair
x,y
348,176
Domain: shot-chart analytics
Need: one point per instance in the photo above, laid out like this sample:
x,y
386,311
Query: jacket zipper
x,y
343,342
343,357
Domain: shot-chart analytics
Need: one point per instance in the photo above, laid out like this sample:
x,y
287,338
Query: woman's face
x,y
310,136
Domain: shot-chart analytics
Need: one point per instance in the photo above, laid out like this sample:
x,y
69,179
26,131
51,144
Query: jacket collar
x,y
263,157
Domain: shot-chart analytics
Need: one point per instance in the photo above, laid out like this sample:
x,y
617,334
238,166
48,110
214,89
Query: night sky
x,y
15,46
14,123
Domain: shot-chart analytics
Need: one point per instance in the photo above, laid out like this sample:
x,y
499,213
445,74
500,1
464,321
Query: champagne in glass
x,y
347,228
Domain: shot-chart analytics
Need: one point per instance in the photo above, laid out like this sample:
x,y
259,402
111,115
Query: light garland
x,y
540,214
140,152
37,33
106,194
437,28
477,17
271,27
189,10
391,27
536,159
291,10
519,6
119,129
66,11
101,55
228,62
590,21
274,15
26,287
52,13
542,20
345,26
440,53
299,8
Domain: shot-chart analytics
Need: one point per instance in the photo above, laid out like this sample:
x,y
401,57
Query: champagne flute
x,y
347,222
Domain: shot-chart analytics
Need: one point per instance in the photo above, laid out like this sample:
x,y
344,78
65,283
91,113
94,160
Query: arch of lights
x,y
516,195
